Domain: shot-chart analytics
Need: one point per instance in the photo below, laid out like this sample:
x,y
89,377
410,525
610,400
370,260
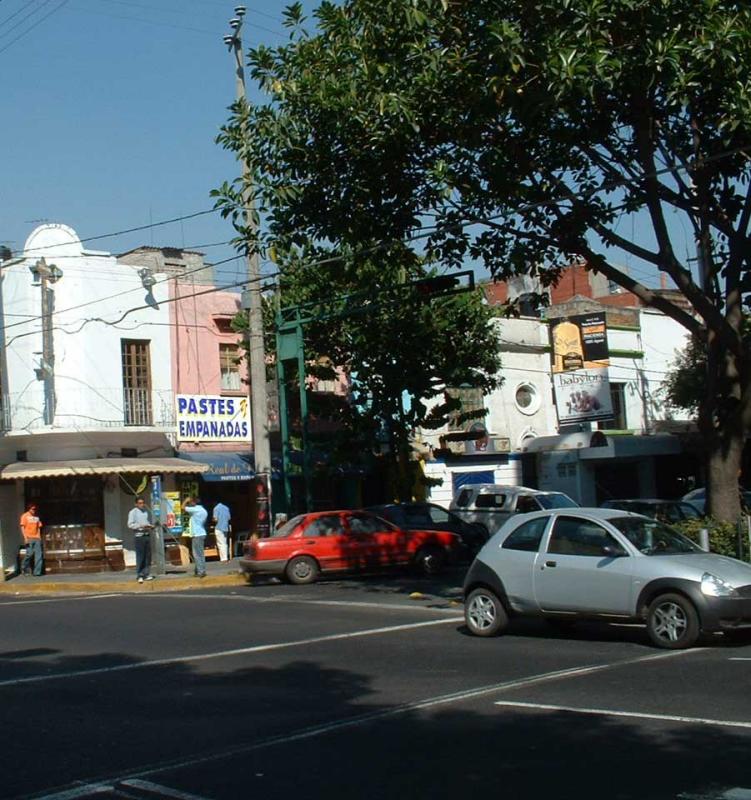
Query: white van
x,y
490,504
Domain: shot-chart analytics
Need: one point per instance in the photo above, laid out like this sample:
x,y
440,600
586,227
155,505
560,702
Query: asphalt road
x,y
356,689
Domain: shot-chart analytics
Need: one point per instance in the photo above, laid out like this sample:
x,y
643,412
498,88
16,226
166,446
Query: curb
x,y
131,586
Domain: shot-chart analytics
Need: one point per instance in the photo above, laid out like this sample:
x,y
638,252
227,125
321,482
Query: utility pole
x,y
44,275
259,408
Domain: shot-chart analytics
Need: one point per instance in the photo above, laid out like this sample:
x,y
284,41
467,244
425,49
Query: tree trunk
x,y
724,421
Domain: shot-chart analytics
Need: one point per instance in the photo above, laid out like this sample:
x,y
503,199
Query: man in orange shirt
x,y
31,529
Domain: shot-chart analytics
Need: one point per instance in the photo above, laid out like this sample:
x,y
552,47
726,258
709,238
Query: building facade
x,y
87,397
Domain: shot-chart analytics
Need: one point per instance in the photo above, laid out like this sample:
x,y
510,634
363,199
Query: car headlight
x,y
712,586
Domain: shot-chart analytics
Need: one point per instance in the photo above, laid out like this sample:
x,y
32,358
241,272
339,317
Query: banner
x,y
580,368
173,513
212,418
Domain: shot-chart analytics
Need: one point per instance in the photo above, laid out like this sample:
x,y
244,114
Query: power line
x,y
36,24
126,230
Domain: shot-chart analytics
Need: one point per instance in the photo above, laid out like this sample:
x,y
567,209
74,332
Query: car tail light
x,y
250,549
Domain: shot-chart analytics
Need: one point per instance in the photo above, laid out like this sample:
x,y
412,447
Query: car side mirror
x,y
613,552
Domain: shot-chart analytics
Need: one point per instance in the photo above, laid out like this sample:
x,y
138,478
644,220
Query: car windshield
x,y
652,537
288,527
555,500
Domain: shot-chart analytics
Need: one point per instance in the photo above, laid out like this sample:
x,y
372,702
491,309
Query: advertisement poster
x,y
580,368
212,418
173,513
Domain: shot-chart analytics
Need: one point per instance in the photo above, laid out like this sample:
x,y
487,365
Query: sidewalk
x,y
218,574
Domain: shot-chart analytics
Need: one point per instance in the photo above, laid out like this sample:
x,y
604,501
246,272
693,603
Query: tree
x,y
521,134
401,347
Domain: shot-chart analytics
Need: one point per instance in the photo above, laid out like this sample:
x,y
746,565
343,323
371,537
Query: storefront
x,y
84,506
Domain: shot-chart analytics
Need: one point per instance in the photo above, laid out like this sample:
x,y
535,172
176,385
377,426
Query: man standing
x,y
198,516
31,530
140,523
221,517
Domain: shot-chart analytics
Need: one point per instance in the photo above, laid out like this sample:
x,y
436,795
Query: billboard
x,y
212,418
579,346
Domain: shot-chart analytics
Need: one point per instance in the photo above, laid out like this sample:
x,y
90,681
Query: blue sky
x,y
109,113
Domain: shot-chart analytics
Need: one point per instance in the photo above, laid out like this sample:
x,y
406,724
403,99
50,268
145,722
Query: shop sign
x,y
581,359
212,418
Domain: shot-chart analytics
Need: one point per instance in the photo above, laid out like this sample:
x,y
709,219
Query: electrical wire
x,y
36,24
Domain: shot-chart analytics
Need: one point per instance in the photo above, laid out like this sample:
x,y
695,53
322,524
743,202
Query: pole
x,y
256,350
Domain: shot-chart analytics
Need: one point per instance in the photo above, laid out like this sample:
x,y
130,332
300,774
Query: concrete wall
x,y
97,303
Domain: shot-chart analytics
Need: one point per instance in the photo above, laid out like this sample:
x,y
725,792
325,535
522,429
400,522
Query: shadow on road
x,y
300,729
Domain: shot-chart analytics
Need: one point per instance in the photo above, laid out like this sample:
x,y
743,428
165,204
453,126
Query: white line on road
x,y
374,716
261,648
159,790
152,789
737,658
634,714
413,605
58,599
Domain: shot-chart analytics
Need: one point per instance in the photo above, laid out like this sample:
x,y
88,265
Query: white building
x,y
87,407
628,456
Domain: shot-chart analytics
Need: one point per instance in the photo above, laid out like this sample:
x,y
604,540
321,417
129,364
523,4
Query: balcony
x,y
89,408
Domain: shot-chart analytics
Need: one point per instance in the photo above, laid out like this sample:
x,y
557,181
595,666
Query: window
x,y
525,503
416,515
136,366
470,409
365,524
579,537
618,399
527,398
490,500
439,515
229,367
463,499
324,526
527,536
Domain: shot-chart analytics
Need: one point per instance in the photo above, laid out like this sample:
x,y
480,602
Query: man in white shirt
x,y
140,523
198,516
221,517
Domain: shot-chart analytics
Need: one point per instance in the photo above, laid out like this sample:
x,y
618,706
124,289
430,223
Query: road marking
x,y
633,714
373,716
261,648
737,793
89,789
59,599
159,790
345,603
737,658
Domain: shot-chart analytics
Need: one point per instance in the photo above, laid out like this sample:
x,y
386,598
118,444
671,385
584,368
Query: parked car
x,y
432,517
669,511
491,504
698,498
605,563
345,541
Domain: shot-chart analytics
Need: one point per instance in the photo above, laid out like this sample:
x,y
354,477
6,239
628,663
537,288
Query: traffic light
x,y
439,285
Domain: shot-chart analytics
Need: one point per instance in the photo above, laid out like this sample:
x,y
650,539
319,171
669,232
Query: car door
x,y
364,534
514,562
572,573
324,538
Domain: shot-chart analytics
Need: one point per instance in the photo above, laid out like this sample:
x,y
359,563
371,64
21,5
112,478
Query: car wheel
x,y
672,622
302,569
430,560
484,613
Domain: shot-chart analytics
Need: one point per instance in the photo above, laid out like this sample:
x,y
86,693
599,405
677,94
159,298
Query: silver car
x,y
603,563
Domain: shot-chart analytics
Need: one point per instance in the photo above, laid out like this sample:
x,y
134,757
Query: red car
x,y
345,541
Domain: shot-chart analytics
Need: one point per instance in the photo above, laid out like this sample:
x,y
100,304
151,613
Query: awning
x,y
223,466
99,466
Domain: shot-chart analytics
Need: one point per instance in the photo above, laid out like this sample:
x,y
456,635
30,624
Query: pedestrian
x,y
198,516
31,530
139,522
221,517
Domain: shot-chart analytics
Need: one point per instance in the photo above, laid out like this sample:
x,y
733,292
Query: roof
x,y
98,466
